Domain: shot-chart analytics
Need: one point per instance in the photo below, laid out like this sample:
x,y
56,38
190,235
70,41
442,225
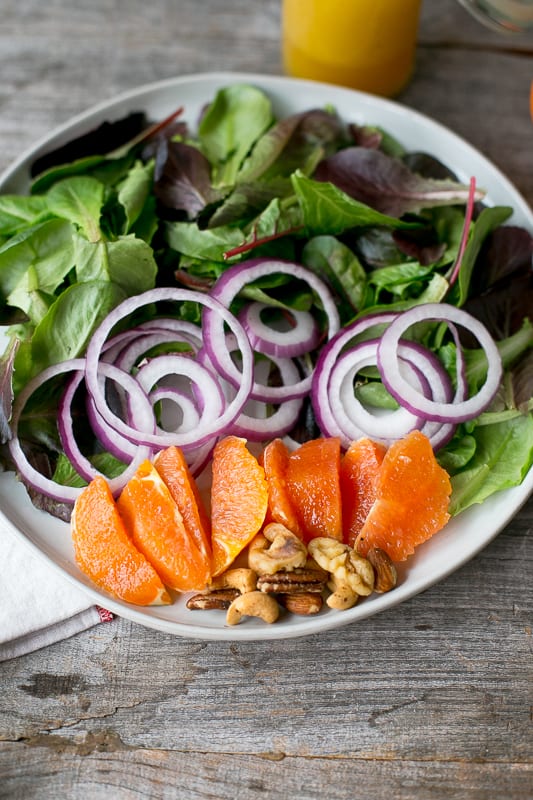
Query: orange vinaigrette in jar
x,y
365,44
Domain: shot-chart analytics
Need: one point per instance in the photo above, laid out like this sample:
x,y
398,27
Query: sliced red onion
x,y
188,410
211,402
227,288
190,333
299,335
132,352
35,479
457,410
420,367
353,419
326,361
114,443
81,464
209,428
290,387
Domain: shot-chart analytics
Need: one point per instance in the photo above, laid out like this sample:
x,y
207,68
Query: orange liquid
x,y
365,44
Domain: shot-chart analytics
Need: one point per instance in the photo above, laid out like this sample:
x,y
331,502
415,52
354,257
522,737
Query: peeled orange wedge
x,y
239,499
412,497
313,483
359,473
174,470
105,553
275,461
157,529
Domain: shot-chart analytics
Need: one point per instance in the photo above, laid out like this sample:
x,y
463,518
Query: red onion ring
x,y
420,367
210,403
190,416
327,358
457,410
301,338
210,428
81,464
226,288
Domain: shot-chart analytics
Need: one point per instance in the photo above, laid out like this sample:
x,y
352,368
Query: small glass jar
x,y
368,45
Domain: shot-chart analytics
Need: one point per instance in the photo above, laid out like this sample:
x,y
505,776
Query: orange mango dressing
x,y
364,44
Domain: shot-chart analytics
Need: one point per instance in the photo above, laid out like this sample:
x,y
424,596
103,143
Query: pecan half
x,y
219,600
294,582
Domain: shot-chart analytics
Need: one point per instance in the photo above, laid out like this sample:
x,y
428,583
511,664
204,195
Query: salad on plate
x,y
174,282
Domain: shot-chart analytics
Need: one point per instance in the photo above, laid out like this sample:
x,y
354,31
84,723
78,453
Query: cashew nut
x,y
342,596
286,551
252,604
245,580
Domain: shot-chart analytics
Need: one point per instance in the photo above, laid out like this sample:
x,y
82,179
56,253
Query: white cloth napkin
x,y
37,605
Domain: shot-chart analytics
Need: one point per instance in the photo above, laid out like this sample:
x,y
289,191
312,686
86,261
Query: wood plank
x,y
103,767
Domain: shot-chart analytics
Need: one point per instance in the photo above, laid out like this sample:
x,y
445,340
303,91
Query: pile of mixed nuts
x,y
284,572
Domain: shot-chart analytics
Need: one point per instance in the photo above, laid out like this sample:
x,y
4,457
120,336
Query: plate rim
x,y
328,620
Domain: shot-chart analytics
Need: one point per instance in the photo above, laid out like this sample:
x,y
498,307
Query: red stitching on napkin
x,y
104,614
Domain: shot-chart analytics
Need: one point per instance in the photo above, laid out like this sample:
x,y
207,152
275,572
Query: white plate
x,y
462,538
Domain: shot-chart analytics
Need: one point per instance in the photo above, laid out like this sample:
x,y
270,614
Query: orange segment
x,y
314,487
359,473
275,460
156,526
174,470
106,554
412,497
239,498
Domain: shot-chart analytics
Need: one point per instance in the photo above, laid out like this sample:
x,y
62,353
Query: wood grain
x,y
432,699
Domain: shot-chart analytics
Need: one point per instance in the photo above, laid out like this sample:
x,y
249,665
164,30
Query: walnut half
x,y
276,549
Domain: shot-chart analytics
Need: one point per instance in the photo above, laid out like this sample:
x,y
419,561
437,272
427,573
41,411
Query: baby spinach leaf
x,y
29,298
78,199
65,330
292,142
46,249
6,388
19,212
329,257
456,455
488,220
128,262
106,170
398,278
232,123
209,244
133,192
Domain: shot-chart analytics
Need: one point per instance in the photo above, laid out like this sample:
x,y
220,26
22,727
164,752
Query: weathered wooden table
x,y
432,699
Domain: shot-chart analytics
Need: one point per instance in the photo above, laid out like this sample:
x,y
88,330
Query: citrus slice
x,y
314,487
359,472
105,553
156,527
239,499
275,460
412,498
173,468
